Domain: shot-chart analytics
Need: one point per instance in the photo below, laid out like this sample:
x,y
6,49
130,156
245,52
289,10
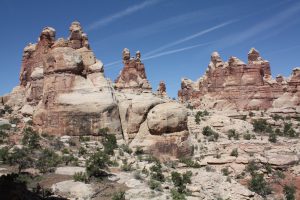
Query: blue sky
x,y
175,37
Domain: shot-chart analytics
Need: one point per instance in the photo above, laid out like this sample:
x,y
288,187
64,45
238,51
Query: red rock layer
x,y
236,85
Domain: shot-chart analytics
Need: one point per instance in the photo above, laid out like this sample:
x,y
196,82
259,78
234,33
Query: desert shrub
x,y
252,167
80,177
84,138
260,125
176,195
273,137
103,131
150,159
22,158
109,142
5,127
277,117
3,136
247,136
189,106
48,161
207,131
232,133
126,148
234,152
126,166
139,151
69,159
154,185
209,168
225,171
97,163
289,192
8,109
200,114
268,168
259,185
251,114
278,132
156,172
72,142
137,175
82,151
189,162
279,174
4,154
180,180
14,120
119,196
31,139
289,131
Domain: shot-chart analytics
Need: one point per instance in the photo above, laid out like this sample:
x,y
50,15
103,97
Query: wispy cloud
x,y
190,37
277,21
176,51
109,65
128,11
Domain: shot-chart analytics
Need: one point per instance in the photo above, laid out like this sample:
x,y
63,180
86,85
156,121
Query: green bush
x,y
154,185
289,131
8,109
189,162
109,142
156,172
252,167
5,127
273,137
80,177
277,117
232,133
82,151
4,155
31,138
84,138
22,158
259,185
260,125
180,180
126,148
289,192
119,196
247,136
97,163
48,161
3,136
234,152
200,114
176,195
126,167
207,131
139,151
225,171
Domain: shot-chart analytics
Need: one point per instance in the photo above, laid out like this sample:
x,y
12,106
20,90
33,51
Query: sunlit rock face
x,y
133,77
64,90
237,85
65,84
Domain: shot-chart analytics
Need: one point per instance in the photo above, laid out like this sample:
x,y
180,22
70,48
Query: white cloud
x,y
129,10
185,39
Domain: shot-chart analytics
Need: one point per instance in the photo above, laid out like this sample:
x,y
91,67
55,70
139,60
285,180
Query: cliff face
x,y
64,90
236,85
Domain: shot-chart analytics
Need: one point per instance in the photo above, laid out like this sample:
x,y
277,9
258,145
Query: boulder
x,y
167,118
72,189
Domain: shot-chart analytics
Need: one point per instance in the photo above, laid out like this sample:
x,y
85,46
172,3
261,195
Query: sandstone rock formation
x,y
236,85
133,76
161,90
63,88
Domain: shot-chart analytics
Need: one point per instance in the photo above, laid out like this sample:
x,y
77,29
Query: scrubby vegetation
x,y
259,185
211,134
199,115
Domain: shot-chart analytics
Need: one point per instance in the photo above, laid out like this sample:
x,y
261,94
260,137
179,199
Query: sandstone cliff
x,y
64,90
237,85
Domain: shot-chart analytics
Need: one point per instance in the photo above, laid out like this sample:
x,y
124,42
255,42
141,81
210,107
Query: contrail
x,y
162,54
191,37
176,51
129,10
